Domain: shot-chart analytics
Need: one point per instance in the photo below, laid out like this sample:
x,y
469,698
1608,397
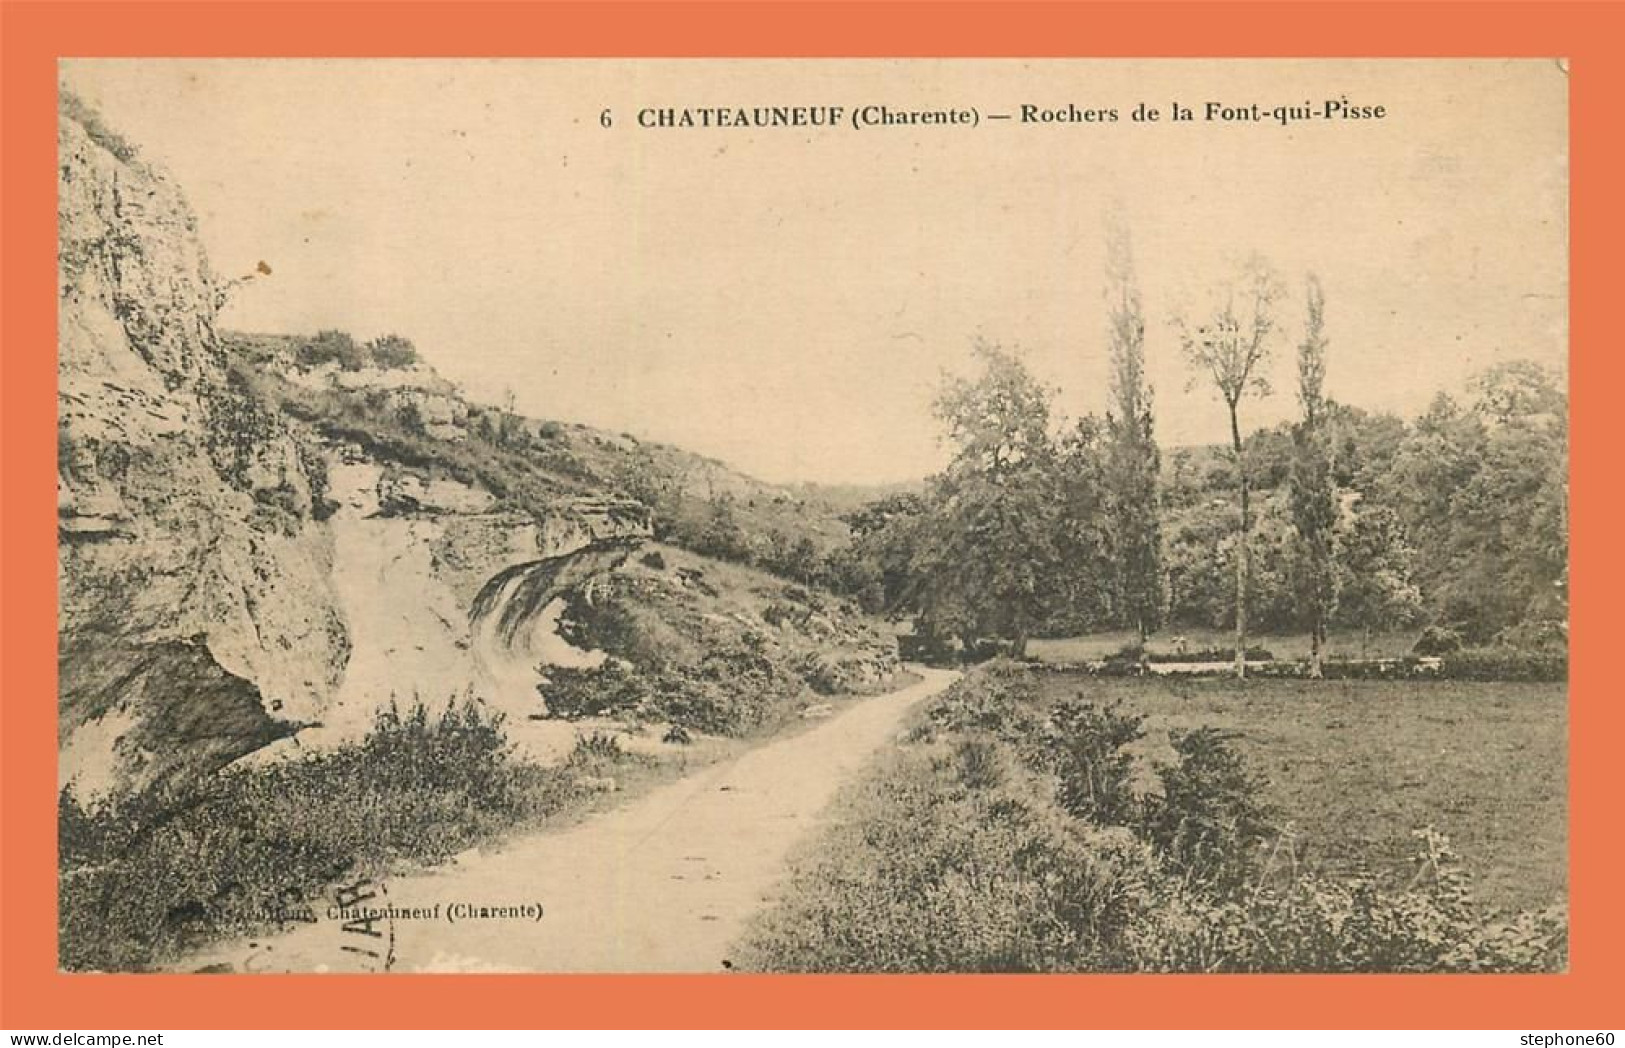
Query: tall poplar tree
x,y
1313,497
1132,458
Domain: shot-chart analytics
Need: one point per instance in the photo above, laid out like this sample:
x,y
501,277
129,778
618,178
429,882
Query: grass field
x,y
1357,765
1095,646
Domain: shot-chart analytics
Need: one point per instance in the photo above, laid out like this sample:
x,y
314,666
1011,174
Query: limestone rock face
x,y
196,613
233,582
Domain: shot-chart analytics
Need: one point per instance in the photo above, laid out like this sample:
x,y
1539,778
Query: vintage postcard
x,y
927,515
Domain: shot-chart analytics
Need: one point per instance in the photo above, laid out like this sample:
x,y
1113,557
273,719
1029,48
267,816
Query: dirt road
x,y
665,883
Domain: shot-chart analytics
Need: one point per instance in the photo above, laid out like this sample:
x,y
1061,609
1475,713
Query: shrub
x,y
464,748
748,689
1087,746
739,685
1127,661
1479,664
1504,664
695,578
609,624
986,648
1303,922
595,748
779,614
1000,700
410,418
314,465
392,351
1208,822
1115,667
733,691
1253,654
929,648
702,706
327,347
1409,668
611,689
936,876
976,763
1437,640
821,672
1545,636
147,876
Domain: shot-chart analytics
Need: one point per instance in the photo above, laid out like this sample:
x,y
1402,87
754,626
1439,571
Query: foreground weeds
x,y
155,874
1007,835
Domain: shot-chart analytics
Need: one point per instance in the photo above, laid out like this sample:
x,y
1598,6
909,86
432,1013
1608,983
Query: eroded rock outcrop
x,y
196,612
229,578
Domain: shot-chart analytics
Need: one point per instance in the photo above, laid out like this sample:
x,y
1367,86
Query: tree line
x,y
1340,519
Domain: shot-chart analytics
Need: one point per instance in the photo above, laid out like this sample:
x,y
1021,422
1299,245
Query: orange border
x,y
34,995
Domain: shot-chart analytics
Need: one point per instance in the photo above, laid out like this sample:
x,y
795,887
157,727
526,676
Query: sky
x,y
788,299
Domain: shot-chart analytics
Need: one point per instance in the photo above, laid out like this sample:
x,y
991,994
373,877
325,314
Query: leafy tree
x,y
999,422
1518,390
1179,483
1201,558
1085,596
1376,590
1483,495
720,534
1314,500
878,566
1269,453
987,560
1199,543
1438,461
881,514
1273,596
1362,445
1231,349
793,558
1133,461
1523,486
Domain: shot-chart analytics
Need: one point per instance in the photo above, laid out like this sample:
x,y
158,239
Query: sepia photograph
x,y
813,516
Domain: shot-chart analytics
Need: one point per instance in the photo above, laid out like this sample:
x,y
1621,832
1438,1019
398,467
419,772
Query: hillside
x,y
402,404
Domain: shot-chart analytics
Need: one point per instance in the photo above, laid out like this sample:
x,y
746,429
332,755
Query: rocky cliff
x,y
197,616
227,576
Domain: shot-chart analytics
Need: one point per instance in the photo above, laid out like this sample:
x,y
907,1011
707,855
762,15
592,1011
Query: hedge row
x,y
1254,654
1475,664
